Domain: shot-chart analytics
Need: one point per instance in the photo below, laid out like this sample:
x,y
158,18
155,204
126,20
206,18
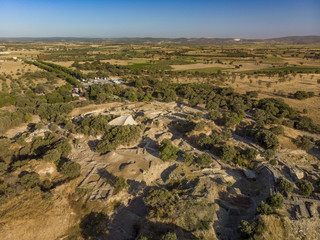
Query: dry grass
x,y
199,66
305,82
11,67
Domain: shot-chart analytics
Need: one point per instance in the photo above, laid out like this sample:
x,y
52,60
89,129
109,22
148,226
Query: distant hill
x,y
183,41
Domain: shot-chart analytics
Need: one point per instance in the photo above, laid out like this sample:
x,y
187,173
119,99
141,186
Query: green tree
x,y
169,236
71,169
167,151
304,142
204,160
269,154
305,187
246,228
275,200
120,184
29,180
265,208
188,157
285,186
227,153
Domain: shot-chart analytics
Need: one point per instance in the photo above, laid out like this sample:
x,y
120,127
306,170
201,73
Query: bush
x,y
231,119
188,157
304,142
251,154
305,187
3,168
277,130
167,151
285,186
204,160
245,228
265,138
197,115
46,185
119,135
71,169
275,201
269,154
265,208
52,155
213,115
303,95
29,180
169,236
248,230
288,123
199,126
227,153
120,184
169,95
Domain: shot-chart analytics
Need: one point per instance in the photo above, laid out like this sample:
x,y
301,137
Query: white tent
x,y
123,120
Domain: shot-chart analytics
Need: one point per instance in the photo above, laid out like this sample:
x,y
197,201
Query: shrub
x,y
265,208
71,169
162,201
46,185
305,187
3,168
269,154
303,95
288,123
273,162
167,151
213,115
277,130
169,95
188,157
52,155
197,115
120,184
265,138
169,236
227,153
285,186
199,126
275,201
29,180
204,160
231,119
245,228
304,142
251,154
119,135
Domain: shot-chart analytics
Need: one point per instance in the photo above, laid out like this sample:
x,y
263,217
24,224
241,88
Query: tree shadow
x,y
166,173
131,223
93,145
94,226
107,176
135,187
150,146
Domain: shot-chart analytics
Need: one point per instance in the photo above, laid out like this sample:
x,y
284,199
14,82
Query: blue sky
x,y
159,18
